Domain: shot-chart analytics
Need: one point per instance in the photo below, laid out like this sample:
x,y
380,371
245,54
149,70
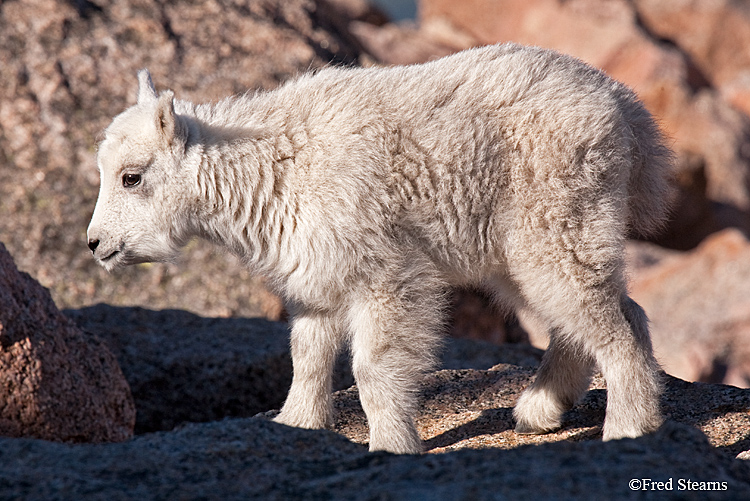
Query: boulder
x,y
716,35
253,458
56,381
699,306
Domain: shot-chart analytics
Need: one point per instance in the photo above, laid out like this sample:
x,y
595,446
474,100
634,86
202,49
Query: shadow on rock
x,y
185,368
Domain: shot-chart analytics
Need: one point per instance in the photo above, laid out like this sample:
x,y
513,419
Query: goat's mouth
x,y
110,256
111,260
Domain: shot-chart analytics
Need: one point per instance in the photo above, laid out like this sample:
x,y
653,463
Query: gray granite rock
x,y
469,408
254,458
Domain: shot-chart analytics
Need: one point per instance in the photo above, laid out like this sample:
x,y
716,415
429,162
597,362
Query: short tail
x,y
651,190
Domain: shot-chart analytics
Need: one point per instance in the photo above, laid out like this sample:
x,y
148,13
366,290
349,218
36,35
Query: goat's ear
x,y
167,124
146,90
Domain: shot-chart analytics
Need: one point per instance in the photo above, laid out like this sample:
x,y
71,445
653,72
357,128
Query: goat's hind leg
x,y
562,378
615,336
632,375
595,321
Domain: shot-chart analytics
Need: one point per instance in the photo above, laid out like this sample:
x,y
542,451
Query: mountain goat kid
x,y
363,194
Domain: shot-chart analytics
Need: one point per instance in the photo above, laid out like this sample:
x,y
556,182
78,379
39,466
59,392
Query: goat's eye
x,y
130,180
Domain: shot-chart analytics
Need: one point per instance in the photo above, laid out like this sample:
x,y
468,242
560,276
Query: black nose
x,y
93,244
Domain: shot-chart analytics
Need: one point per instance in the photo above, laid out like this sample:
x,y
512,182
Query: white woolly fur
x,y
364,194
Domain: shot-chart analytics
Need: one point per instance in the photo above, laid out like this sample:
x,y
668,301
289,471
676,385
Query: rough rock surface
x,y
56,382
473,409
699,306
253,458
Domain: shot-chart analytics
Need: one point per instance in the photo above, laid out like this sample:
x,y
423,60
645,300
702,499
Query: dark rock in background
x,y
185,368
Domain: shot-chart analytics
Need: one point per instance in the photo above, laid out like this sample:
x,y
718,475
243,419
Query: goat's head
x,y
136,218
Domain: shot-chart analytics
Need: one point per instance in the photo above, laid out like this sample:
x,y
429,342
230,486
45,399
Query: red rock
x,y
354,10
407,43
56,382
474,317
699,306
392,44
716,35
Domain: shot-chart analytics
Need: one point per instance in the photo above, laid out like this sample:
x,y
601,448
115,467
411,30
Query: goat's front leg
x,y
394,343
316,340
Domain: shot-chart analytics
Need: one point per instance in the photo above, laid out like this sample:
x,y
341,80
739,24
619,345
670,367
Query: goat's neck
x,y
242,195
